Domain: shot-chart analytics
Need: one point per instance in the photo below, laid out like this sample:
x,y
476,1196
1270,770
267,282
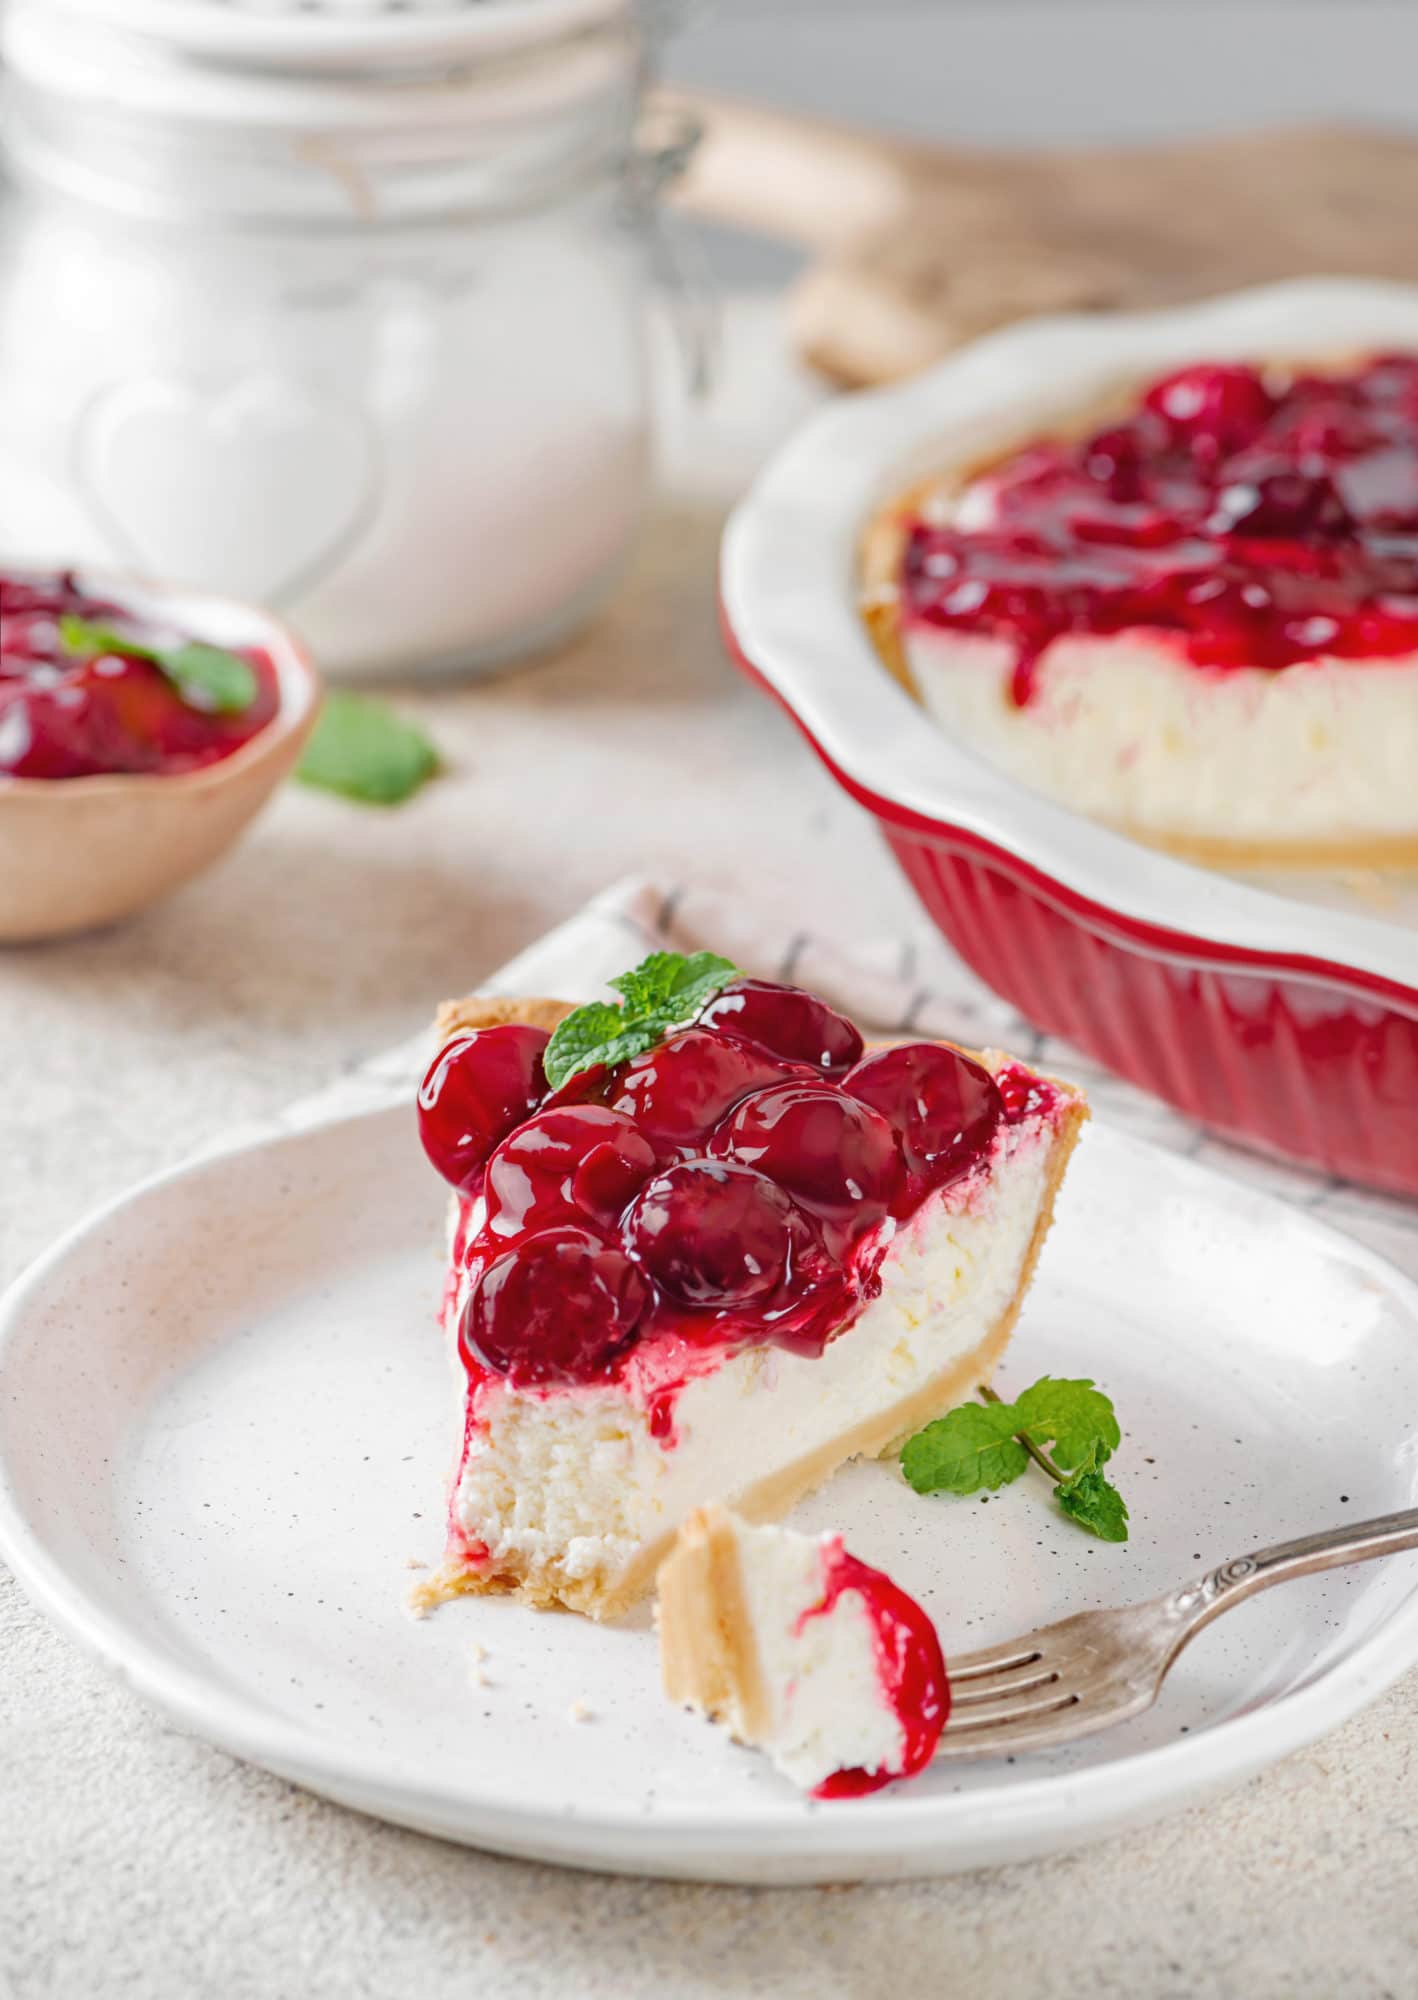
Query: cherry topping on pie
x,y
1211,409
943,1107
786,1021
678,1092
566,1164
834,1154
714,1187
1256,526
477,1088
559,1307
713,1233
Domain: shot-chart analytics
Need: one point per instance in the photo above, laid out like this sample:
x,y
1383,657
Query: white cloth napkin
x,y
874,981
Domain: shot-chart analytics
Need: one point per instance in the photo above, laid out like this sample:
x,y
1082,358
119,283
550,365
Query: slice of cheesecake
x,y
711,1269
1190,612
795,1647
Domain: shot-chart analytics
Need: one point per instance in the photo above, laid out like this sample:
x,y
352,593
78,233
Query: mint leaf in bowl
x,y
206,677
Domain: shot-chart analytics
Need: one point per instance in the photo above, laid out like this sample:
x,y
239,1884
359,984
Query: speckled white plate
x,y
225,1421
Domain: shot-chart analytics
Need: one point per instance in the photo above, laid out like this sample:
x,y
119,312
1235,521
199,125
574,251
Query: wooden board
x,y
918,248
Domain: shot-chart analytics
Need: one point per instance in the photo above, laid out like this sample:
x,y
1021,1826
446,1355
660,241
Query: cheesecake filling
x,y
799,1649
1127,731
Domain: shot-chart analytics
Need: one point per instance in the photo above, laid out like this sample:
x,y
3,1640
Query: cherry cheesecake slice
x,y
712,1266
1191,613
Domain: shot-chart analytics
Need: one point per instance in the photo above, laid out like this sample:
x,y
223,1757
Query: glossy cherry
x,y
787,1022
1281,503
678,1092
566,1164
712,1233
833,1153
559,1306
1215,406
943,1107
478,1086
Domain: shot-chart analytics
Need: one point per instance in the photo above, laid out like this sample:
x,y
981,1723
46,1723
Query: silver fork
x,y
1088,1672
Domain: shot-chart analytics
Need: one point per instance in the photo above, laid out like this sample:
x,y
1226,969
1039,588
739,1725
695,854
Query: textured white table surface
x,y
133,1860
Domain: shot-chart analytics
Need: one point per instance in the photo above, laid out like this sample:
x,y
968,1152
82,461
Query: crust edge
x,y
709,1657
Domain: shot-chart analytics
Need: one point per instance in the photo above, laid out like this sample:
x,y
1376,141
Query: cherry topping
x,y
678,1092
79,715
478,1087
834,1154
1213,407
711,1233
1280,503
943,1107
910,1667
788,1022
1254,528
566,1164
558,1307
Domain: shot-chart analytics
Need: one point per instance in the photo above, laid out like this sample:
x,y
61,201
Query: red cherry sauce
x,y
1254,523
716,1192
909,1662
72,715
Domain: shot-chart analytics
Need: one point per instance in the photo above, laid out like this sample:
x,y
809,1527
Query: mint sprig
x,y
363,750
973,1446
665,991
990,1444
206,677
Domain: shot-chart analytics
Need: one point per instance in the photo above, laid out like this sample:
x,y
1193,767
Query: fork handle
x,y
1198,1603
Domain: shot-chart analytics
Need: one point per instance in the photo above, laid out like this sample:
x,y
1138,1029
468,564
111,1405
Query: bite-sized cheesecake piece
x,y
1195,618
714,1266
797,1648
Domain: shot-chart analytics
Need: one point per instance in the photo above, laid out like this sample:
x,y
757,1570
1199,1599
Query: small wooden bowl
x,y
79,852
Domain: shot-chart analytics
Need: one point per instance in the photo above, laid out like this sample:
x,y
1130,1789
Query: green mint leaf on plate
x,y
665,991
363,750
1072,1415
990,1442
1095,1503
206,677
971,1447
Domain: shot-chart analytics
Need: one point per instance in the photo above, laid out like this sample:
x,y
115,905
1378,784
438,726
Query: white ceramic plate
x,y
225,1420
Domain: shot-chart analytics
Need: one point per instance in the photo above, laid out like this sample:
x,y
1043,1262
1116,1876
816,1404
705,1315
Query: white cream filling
x,y
1124,729
827,1710
577,1479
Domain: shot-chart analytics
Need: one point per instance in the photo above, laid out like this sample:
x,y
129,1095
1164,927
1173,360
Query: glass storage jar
x,y
338,307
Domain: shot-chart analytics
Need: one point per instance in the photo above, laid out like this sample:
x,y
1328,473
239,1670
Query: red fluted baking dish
x,y
1274,1019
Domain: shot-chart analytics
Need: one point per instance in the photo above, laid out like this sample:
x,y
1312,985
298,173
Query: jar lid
x,y
321,65
331,34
